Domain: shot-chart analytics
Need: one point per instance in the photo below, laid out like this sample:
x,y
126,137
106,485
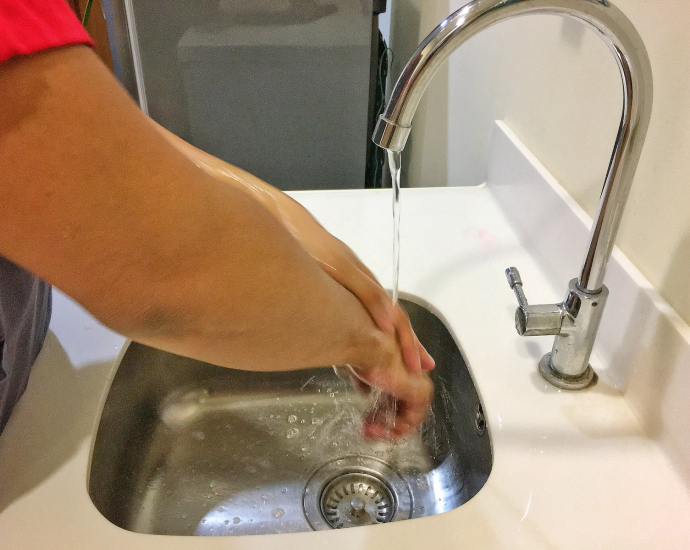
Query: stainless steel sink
x,y
188,448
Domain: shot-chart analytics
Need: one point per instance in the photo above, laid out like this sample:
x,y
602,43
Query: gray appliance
x,y
285,89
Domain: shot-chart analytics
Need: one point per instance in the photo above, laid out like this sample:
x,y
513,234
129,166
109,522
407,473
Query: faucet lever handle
x,y
513,276
530,320
515,282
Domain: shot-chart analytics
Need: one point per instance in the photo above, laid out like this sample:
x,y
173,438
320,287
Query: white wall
x,y
557,87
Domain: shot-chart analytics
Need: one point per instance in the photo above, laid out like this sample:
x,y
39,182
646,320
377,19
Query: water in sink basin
x,y
187,448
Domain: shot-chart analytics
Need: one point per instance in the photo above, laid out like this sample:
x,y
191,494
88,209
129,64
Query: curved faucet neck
x,y
624,42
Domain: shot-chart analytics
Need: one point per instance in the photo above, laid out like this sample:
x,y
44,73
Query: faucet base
x,y
565,382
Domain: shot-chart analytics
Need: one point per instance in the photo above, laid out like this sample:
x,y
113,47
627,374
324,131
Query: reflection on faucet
x,y
575,321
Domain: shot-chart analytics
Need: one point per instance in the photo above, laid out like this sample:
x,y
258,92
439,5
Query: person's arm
x,y
332,255
95,201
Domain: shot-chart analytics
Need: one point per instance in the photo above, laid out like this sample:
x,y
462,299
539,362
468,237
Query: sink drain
x,y
353,491
357,498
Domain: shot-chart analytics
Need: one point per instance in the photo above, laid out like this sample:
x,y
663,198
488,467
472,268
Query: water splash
x,y
382,409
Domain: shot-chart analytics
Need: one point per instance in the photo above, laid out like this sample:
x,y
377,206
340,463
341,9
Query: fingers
x,y
416,357
372,295
398,364
390,318
425,358
358,263
395,418
409,345
363,284
401,404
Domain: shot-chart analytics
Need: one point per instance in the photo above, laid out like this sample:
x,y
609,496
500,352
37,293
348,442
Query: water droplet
x,y
218,490
283,490
278,513
236,520
316,421
226,522
203,521
292,419
292,432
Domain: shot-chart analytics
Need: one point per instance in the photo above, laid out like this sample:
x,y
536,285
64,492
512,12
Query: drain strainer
x,y
353,491
357,498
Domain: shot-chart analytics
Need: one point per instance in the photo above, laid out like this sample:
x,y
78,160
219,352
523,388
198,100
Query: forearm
x,y
268,196
113,215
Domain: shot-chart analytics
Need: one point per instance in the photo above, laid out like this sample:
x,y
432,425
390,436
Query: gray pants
x,y
24,317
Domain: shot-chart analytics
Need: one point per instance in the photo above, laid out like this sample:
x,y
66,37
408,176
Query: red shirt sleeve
x,y
29,26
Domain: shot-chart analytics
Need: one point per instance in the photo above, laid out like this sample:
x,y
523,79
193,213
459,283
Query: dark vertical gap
x,y
76,8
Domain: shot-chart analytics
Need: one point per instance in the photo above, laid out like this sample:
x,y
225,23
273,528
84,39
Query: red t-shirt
x,y
29,26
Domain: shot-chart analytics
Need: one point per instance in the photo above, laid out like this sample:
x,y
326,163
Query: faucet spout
x,y
625,43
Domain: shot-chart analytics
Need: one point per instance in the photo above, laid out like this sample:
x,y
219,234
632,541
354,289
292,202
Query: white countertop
x,y
571,470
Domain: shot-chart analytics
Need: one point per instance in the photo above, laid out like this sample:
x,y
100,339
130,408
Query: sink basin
x,y
188,448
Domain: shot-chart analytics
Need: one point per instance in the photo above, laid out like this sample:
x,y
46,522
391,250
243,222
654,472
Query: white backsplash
x,y
643,346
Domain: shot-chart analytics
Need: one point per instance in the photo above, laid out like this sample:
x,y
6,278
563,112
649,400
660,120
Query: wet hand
x,y
332,255
342,265
400,398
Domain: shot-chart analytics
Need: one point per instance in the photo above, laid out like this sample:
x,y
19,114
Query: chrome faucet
x,y
575,320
